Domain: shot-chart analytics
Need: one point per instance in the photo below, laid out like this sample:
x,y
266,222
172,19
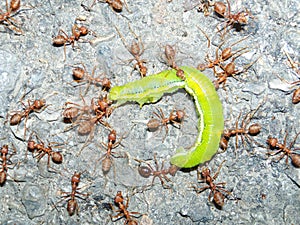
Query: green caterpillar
x,y
209,108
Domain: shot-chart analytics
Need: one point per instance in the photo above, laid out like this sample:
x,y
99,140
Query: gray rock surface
x,y
32,68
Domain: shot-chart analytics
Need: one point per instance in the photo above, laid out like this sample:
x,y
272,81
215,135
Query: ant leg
x,y
89,138
90,80
236,135
122,38
62,32
98,161
199,190
293,142
218,171
40,155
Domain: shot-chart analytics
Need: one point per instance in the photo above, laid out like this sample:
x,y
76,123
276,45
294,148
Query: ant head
x,y
78,73
75,178
31,146
224,143
143,70
216,84
173,169
15,5
180,74
226,54
103,105
201,67
38,104
106,84
112,136
119,197
272,142
226,133
242,18
4,149
205,173
83,30
180,115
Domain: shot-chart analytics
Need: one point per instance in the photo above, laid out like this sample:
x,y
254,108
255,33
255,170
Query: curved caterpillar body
x,y
148,89
209,108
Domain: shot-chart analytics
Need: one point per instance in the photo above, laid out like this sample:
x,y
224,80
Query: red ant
x,y
10,12
107,158
76,110
102,106
220,9
229,71
216,189
226,54
5,161
136,50
62,39
36,106
87,127
175,117
122,211
41,151
170,57
147,171
284,150
72,205
81,75
243,131
239,18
